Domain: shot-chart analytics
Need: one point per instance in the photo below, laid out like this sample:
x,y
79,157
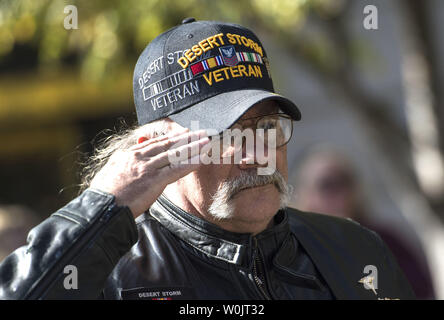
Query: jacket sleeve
x,y
70,254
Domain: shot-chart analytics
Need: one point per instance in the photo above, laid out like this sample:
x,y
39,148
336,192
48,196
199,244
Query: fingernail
x,y
204,140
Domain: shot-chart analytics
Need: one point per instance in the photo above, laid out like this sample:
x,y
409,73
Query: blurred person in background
x,y
327,183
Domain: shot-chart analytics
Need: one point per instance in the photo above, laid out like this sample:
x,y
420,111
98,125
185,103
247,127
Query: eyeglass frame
x,y
281,114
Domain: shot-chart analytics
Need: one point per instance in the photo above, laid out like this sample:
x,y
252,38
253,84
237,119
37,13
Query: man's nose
x,y
249,156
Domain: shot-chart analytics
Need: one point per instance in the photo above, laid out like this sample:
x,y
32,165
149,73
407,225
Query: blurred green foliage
x,y
112,33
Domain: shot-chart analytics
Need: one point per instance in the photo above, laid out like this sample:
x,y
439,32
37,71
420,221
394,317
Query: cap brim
x,y
221,111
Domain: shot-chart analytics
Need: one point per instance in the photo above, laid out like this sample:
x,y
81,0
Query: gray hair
x,y
121,140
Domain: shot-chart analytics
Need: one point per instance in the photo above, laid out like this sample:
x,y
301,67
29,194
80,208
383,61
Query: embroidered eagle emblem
x,y
228,54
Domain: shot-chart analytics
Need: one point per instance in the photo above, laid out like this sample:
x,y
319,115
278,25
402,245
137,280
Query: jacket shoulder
x,y
330,226
343,246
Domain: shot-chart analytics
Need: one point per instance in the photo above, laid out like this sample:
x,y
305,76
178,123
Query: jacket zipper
x,y
258,274
38,291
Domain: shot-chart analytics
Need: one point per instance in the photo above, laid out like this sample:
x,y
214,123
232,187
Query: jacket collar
x,y
231,247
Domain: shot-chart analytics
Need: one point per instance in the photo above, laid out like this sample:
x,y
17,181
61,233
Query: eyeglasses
x,y
280,122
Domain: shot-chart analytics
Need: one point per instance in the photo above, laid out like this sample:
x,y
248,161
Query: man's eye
x,y
267,124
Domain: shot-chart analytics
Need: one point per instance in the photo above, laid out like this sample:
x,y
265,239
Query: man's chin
x,y
258,202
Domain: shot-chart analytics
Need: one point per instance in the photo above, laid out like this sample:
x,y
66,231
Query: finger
x,y
180,154
153,150
146,142
174,172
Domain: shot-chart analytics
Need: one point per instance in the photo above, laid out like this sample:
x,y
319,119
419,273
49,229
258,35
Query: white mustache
x,y
251,180
222,206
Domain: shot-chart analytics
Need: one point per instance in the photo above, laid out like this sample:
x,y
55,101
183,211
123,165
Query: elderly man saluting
x,y
174,210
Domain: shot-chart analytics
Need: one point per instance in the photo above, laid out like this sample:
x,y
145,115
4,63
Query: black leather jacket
x,y
169,254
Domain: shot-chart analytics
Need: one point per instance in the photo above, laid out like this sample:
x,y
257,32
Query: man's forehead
x,y
261,108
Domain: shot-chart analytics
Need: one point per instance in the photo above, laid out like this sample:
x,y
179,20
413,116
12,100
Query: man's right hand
x,y
137,176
